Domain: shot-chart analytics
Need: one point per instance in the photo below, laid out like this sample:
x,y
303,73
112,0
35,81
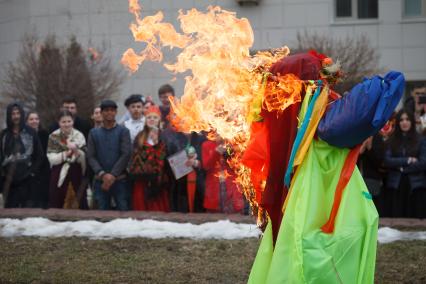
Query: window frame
x,y
354,17
422,11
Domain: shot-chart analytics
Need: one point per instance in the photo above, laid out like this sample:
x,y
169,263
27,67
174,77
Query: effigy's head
x,y
303,65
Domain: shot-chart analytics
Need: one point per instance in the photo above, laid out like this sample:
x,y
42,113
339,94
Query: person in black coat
x,y
372,168
405,159
175,142
20,158
40,192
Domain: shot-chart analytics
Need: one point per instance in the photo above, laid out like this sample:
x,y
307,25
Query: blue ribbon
x,y
301,133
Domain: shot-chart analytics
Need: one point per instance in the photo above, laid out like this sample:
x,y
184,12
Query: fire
x,y
226,86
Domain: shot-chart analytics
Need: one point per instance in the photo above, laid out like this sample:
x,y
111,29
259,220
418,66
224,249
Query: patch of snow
x,y
131,228
388,235
126,228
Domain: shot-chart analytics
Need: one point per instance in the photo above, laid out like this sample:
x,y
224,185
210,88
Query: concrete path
x,y
194,218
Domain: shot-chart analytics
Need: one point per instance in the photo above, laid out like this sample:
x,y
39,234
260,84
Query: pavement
x,y
194,218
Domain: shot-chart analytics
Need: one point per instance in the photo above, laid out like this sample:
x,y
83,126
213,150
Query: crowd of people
x,y
121,164
124,164
393,162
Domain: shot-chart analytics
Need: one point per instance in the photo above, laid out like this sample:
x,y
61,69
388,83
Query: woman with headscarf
x,y
66,152
147,166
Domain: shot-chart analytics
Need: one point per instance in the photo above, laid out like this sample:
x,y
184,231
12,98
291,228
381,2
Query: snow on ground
x,y
126,228
131,228
388,235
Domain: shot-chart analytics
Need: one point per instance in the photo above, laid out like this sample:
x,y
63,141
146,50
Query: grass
x,y
80,260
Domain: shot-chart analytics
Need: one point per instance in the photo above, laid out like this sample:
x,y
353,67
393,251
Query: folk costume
x,y
322,223
66,172
147,171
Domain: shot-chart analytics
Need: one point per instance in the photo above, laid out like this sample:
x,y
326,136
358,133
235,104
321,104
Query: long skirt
x,y
68,195
142,202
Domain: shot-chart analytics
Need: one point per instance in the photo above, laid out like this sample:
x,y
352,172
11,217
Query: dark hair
x,y
64,113
30,113
134,98
166,89
69,100
411,137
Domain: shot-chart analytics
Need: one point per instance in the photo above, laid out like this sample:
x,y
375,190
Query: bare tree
x,y
45,72
355,53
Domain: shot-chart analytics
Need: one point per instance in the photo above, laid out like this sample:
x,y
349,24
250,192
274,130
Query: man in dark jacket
x,y
82,125
109,151
20,158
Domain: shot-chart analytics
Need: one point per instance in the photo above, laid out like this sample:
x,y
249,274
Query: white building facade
x,y
397,28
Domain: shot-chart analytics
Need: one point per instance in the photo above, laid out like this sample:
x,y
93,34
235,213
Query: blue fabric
x,y
119,191
107,143
301,133
397,165
362,112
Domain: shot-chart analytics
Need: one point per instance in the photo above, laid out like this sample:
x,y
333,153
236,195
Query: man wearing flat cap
x,y
109,152
134,104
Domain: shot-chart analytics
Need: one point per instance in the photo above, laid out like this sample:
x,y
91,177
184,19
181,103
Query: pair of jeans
x,y
119,191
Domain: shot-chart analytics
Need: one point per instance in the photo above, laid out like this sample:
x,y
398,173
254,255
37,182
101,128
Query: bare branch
x,y
356,54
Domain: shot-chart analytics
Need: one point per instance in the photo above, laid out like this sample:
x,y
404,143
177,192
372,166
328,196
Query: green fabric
x,y
263,257
303,253
304,106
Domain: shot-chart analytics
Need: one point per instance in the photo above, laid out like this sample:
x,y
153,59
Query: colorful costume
x,y
323,229
221,192
66,172
147,170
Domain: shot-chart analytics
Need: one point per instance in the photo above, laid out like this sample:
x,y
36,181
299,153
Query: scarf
x,y
57,148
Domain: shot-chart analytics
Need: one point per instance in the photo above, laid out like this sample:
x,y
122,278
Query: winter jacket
x,y
23,151
397,163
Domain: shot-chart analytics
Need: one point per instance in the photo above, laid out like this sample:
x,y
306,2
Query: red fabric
x,y
282,132
159,203
212,164
256,156
345,176
191,182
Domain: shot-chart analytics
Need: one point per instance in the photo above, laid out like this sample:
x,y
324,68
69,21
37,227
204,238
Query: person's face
x,y
97,116
418,91
66,123
16,116
153,120
146,107
136,110
164,98
108,114
71,107
33,121
405,123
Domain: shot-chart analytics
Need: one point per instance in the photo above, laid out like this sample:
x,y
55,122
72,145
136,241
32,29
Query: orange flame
x,y
226,84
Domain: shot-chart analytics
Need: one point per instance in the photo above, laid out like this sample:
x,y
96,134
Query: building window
x,y
414,8
357,9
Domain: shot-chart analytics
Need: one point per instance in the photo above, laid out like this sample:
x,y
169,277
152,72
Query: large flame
x,y
226,88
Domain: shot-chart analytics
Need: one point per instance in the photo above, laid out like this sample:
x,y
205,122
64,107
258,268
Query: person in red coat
x,y
147,167
221,193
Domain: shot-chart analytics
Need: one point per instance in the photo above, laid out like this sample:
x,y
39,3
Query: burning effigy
x,y
294,141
